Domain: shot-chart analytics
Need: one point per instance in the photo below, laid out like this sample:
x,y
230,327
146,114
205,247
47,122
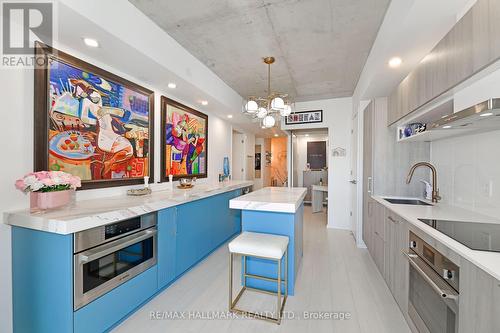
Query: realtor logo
x,y
23,23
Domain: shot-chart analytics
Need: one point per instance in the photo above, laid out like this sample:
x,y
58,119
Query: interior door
x,y
354,176
238,152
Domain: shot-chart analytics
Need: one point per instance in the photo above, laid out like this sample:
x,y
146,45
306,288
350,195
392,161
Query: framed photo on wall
x,y
184,141
304,117
91,123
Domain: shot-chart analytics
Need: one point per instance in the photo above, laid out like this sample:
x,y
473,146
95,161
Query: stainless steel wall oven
x,y
433,293
107,256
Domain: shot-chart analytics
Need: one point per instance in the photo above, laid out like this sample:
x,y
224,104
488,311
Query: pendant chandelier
x,y
270,108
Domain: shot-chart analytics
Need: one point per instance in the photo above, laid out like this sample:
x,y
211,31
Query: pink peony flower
x,y
41,175
20,185
48,182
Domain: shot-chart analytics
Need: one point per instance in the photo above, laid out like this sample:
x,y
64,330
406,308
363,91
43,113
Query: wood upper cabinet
x,y
493,15
392,108
471,45
481,37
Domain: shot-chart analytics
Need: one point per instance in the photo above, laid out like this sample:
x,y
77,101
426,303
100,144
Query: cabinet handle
x,y
369,184
392,220
376,233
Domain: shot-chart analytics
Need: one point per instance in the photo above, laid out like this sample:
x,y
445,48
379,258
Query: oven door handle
x,y
443,291
114,246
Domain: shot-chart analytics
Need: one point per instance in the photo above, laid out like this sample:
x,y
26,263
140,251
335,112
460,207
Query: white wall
x,y
16,136
337,117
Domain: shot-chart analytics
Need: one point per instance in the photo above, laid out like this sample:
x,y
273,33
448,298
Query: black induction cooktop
x,y
476,236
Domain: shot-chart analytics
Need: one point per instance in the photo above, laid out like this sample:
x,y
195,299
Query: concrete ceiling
x,y
320,45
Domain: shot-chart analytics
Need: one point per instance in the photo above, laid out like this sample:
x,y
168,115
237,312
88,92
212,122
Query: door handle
x,y
369,185
354,181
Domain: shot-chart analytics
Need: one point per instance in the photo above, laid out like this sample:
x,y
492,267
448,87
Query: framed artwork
x,y
184,141
91,123
304,117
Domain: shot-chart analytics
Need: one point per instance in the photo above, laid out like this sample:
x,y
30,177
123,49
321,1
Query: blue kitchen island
x,y
278,211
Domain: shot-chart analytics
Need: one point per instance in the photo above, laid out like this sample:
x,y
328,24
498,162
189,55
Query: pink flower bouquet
x,y
48,189
48,181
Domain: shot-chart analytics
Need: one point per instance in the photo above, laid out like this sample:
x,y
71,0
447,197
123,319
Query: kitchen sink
x,y
415,202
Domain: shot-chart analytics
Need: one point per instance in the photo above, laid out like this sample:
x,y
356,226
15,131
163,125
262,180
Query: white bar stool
x,y
265,246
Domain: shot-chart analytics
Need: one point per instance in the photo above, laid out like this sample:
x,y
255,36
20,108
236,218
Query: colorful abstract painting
x,y
184,141
98,126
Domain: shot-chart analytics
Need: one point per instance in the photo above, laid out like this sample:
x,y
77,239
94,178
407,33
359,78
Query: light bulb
x,y
261,113
269,121
277,103
251,107
286,111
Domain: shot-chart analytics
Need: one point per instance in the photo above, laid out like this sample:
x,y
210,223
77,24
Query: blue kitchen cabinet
x,y
108,310
42,281
202,226
192,221
167,234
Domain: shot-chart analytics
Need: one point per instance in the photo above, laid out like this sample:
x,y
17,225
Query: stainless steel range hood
x,y
484,115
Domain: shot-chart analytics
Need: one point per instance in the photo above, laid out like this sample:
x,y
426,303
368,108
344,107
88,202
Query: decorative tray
x,y
138,192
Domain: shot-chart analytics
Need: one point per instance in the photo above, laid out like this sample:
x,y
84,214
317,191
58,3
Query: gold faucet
x,y
435,190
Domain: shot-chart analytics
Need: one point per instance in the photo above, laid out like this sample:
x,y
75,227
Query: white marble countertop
x,y
271,199
487,261
87,214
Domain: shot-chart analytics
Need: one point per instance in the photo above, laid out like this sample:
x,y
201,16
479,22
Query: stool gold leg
x,y
278,309
230,280
286,273
244,271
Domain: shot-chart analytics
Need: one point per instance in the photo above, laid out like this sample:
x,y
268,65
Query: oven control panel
x,y
439,263
87,239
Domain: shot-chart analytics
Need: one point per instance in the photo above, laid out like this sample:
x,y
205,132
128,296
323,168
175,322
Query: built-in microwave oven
x,y
108,256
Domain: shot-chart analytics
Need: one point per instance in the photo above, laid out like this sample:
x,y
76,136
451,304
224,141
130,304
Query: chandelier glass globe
x,y
251,106
277,103
261,113
286,111
268,121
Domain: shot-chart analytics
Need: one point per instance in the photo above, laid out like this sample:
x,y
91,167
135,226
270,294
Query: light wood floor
x,y
334,276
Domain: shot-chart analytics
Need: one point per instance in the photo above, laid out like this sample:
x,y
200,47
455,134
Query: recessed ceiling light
x,y
306,134
263,127
91,42
487,114
172,85
395,62
447,126
230,116
204,102
275,134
